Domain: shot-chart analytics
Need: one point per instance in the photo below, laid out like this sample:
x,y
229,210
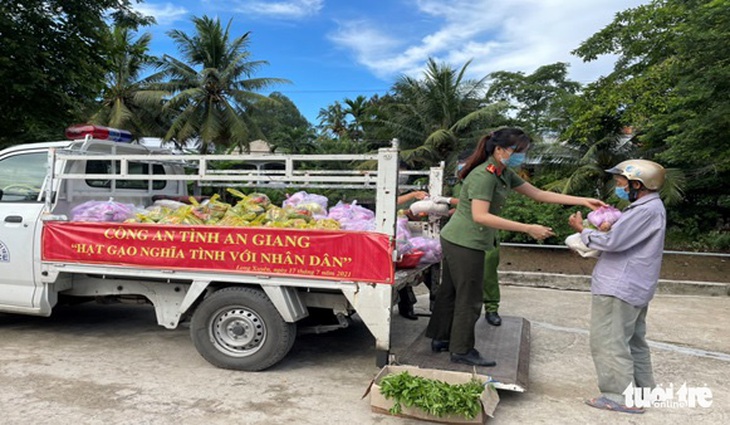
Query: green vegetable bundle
x,y
435,397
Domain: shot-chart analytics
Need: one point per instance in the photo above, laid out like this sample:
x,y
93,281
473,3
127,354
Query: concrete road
x,y
111,364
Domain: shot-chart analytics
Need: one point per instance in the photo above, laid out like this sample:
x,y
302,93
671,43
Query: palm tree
x,y
332,120
358,109
585,166
212,87
127,103
435,117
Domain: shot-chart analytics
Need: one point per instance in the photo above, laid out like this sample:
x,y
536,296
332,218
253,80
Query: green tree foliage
x,y
539,100
212,87
126,101
358,120
333,120
671,82
375,134
53,60
434,117
582,167
358,109
523,209
282,125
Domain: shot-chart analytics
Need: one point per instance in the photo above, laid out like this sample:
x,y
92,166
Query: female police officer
x,y
473,230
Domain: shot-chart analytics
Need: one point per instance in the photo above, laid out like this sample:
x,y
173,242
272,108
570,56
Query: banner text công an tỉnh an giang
x,y
320,254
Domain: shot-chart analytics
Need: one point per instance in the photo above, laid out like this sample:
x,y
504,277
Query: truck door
x,y
21,178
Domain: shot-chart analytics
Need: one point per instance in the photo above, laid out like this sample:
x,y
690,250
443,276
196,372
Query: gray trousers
x,y
618,345
458,302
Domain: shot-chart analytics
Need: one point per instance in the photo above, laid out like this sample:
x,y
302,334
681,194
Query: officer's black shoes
x,y
493,318
438,345
473,358
408,314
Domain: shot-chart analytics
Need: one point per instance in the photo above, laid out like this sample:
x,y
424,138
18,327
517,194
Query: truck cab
x,y
24,176
23,172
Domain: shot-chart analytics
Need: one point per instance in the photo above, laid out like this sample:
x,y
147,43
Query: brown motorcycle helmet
x,y
647,172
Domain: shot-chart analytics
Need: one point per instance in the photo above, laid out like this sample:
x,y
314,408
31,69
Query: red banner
x,y
321,254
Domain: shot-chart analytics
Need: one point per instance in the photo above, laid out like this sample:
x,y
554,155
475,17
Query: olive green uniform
x,y
464,245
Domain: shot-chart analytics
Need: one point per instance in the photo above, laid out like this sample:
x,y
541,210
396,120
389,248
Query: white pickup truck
x,y
242,318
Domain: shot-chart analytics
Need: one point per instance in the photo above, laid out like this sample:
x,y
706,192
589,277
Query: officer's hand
x,y
593,204
540,232
441,199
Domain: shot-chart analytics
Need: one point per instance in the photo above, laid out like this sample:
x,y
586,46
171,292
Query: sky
x,y
335,49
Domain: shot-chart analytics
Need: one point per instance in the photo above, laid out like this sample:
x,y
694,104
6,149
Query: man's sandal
x,y
605,403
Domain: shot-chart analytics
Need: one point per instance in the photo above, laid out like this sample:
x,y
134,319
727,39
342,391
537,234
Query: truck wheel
x,y
239,328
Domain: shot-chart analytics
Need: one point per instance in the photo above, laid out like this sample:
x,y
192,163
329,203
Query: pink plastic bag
x,y
607,214
353,216
431,249
102,211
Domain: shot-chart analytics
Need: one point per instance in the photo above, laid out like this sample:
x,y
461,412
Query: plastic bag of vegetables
x,y
233,221
316,204
326,224
216,208
103,211
182,215
151,214
604,217
431,249
352,216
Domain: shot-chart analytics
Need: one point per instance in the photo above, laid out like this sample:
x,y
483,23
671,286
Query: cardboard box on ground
x,y
380,404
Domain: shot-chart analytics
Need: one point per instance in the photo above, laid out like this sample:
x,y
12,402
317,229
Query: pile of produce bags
x,y
254,209
300,210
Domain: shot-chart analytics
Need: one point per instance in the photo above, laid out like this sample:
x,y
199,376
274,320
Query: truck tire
x,y
239,328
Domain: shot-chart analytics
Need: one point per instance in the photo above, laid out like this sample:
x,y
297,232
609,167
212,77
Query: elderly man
x,y
623,282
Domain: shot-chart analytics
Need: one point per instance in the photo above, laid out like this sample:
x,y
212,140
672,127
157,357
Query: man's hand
x,y
411,196
576,221
419,194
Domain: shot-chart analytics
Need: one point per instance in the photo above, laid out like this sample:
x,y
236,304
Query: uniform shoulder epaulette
x,y
494,170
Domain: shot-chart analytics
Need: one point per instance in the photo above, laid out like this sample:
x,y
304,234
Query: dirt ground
x,y
113,365
554,260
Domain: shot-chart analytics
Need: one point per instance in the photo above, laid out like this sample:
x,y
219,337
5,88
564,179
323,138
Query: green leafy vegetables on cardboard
x,y
435,397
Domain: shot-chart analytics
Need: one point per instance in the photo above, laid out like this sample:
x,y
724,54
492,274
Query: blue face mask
x,y
621,193
515,160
